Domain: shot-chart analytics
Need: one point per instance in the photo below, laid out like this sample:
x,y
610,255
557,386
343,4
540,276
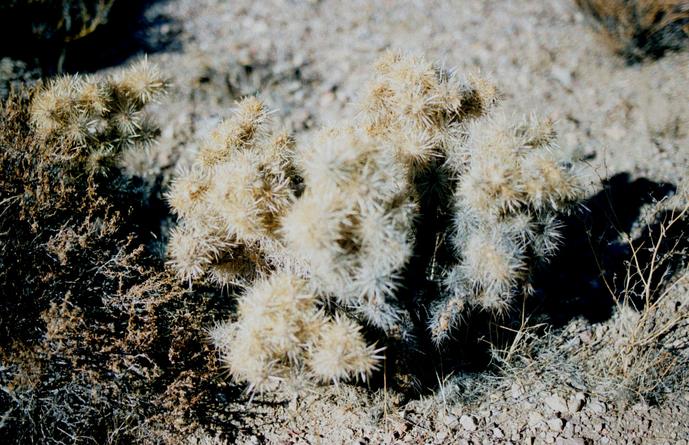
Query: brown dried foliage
x,y
640,28
97,341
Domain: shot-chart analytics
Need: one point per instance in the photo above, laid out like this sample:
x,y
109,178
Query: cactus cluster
x,y
342,222
231,200
352,225
511,185
282,334
92,120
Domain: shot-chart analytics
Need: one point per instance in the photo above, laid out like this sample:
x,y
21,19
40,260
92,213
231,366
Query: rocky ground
x,y
587,378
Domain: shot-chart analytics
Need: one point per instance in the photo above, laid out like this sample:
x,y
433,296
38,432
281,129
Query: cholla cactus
x,y
511,186
94,120
281,334
231,200
352,211
353,224
416,109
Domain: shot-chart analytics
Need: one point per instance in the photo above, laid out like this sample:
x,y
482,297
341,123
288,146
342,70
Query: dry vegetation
x,y
640,28
63,20
99,342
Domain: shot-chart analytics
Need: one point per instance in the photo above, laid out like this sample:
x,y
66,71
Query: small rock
x,y
516,390
616,133
498,434
535,419
468,423
570,441
640,406
450,420
556,424
597,407
168,132
441,436
556,403
568,431
576,402
562,75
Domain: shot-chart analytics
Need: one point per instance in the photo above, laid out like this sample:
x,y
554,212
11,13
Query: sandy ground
x,y
309,60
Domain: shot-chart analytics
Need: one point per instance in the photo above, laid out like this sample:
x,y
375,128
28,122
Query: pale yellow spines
x,y
507,164
98,115
352,225
241,184
340,352
511,183
547,184
194,246
281,334
141,82
245,130
419,107
493,265
187,195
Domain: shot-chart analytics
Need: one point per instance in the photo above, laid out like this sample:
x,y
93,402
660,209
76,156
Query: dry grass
x,y
640,28
639,353
648,355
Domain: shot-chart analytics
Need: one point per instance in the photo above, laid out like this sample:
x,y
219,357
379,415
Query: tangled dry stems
x,y
100,343
640,28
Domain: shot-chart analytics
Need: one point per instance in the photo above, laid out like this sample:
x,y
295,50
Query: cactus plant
x,y
92,121
349,215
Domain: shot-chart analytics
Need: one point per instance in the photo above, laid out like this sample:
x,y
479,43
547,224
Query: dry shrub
x,y
99,343
640,28
63,20
46,28
649,355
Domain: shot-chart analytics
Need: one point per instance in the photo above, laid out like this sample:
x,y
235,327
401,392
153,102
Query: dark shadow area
x,y
57,39
593,261
594,257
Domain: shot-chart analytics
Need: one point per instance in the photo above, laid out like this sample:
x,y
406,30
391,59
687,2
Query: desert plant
x,y
231,199
640,28
65,20
420,208
511,186
89,316
91,120
282,333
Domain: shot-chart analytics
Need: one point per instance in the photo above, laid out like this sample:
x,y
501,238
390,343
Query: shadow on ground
x,y
580,281
132,28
